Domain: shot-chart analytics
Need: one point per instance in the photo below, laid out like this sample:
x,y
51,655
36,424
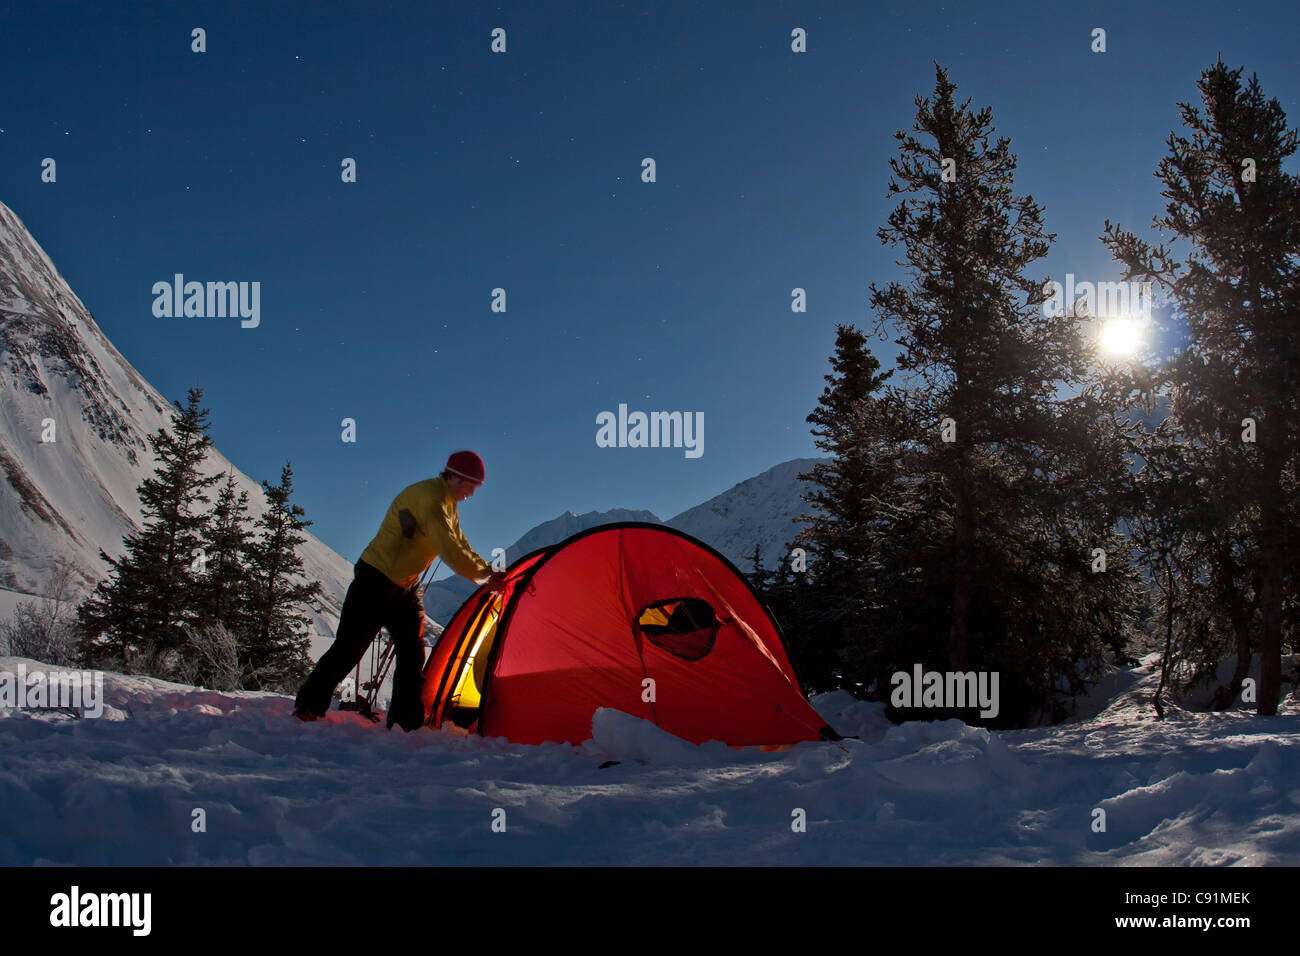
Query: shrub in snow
x,y
43,629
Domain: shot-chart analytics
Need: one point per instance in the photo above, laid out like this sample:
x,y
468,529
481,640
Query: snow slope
x,y
760,510
1195,789
71,496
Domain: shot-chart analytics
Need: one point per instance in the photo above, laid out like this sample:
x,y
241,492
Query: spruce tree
x,y
1013,461
834,595
1234,388
140,614
277,640
222,586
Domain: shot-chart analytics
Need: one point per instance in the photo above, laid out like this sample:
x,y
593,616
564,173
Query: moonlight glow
x,y
1121,336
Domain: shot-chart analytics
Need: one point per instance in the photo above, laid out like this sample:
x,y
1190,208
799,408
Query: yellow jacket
x,y
421,524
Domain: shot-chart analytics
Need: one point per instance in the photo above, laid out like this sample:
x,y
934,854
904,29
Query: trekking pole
x,y
428,576
377,677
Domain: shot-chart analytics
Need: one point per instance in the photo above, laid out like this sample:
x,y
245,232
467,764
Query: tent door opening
x,y
467,692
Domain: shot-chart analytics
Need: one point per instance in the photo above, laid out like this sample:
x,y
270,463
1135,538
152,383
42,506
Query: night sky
x,y
522,171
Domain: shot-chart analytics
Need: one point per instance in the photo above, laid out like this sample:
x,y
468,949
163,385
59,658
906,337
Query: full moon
x,y
1121,336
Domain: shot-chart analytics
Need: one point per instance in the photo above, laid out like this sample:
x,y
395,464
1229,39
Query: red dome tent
x,y
582,624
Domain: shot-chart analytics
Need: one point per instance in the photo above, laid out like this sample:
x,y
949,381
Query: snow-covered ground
x,y
1194,789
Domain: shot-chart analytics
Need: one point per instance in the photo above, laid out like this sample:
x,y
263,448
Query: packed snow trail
x,y
123,789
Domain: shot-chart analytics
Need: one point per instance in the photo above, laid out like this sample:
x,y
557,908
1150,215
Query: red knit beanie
x,y
467,465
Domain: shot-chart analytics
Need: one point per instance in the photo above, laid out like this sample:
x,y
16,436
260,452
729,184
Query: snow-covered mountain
x,y
568,524
61,378
760,510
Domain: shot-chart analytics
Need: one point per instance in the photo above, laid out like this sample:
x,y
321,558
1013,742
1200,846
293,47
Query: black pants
x,y
373,602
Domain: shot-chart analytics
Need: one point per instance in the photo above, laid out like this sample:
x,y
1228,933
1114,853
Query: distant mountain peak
x,y
757,511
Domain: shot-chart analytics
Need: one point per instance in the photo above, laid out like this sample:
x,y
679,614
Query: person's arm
x,y
442,526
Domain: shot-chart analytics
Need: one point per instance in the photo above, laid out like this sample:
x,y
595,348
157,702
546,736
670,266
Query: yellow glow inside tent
x,y
656,615
467,693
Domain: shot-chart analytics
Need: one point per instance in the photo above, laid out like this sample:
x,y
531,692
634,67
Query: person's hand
x,y
497,581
